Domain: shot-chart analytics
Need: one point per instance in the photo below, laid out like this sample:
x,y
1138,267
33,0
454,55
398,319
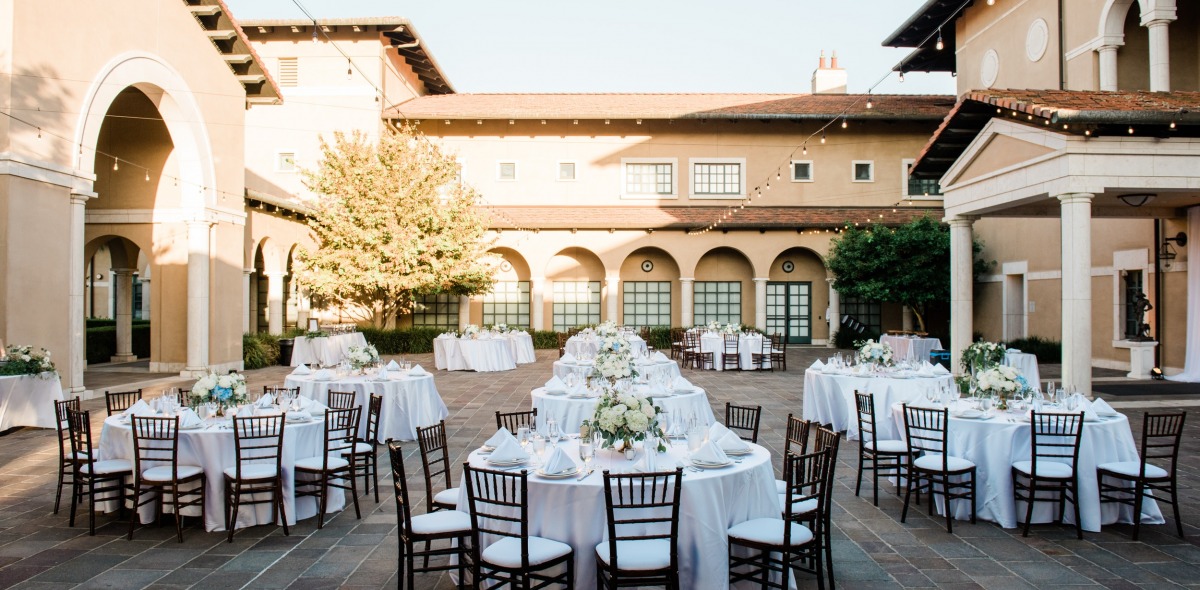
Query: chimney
x,y
829,80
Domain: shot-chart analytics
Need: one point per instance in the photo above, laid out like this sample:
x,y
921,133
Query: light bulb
x,y
822,137
147,176
1131,129
901,77
116,166
991,2
940,46
314,33
1172,127
843,122
804,150
870,105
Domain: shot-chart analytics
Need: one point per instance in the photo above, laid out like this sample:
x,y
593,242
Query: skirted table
x,y
28,400
324,350
408,401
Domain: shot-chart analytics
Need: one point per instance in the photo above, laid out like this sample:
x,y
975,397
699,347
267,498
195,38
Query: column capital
x,y
613,279
248,271
961,220
1068,198
687,280
275,274
760,279
124,271
81,197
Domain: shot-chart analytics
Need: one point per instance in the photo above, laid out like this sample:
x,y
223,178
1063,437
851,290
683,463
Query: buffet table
x,y
829,398
324,350
28,400
485,353
409,402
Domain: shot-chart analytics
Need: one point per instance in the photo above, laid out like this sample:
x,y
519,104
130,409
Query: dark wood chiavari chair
x,y
119,401
931,467
67,461
514,420
744,420
643,530
157,471
258,468
93,477
435,462
367,462
336,463
731,357
1133,481
880,457
1051,468
444,525
341,400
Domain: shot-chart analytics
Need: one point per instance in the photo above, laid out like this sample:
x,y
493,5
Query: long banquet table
x,y
28,400
408,401
829,398
324,350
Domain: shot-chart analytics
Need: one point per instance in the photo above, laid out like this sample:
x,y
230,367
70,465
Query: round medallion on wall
x,y
506,266
989,69
788,266
647,266
1036,40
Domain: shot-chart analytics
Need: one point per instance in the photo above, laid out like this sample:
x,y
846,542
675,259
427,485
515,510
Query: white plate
x,y
507,463
561,475
735,453
555,392
298,420
192,427
577,396
486,449
703,465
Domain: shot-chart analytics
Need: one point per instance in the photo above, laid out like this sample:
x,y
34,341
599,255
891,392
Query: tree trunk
x,y
920,317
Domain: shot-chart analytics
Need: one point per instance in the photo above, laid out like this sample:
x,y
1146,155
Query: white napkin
x,y
323,375
1083,405
559,462
311,406
568,358
1101,408
141,408
501,435
732,443
555,385
817,365
417,370
659,357
683,385
828,369
302,370
940,370
925,371
965,413
393,366
710,453
188,418
382,374
717,431
299,416
266,400
508,450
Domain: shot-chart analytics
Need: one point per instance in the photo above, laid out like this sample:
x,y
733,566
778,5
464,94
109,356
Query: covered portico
x,y
1071,155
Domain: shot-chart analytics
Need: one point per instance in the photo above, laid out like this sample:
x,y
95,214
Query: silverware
x,y
584,476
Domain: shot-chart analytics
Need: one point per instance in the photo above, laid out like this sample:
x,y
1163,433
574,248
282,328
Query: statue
x,y
1141,306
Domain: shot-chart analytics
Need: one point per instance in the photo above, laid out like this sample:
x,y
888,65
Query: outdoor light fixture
x,y
901,76
1166,254
870,105
1137,199
940,45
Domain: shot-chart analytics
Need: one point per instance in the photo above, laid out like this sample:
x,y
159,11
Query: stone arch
x,y
513,265
714,295
575,283
1112,19
643,288
797,297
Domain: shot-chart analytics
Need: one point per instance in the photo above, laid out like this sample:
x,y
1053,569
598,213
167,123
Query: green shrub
x,y
101,342
255,352
406,341
544,339
1046,351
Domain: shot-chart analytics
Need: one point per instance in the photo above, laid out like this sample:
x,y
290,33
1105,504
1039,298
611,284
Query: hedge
x,y
102,342
103,322
1046,351
260,350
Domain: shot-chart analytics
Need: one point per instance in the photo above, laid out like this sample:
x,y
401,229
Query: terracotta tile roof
x,y
1067,104
672,106
680,218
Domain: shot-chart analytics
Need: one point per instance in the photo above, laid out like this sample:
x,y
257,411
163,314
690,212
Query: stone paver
x,y
873,549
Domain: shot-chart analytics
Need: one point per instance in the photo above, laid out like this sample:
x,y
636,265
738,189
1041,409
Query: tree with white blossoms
x,y
392,223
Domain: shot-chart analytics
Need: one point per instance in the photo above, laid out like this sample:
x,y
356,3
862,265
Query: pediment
x,y
999,151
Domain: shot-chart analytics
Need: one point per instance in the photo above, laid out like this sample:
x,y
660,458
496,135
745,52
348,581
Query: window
x,y
506,171
867,313
647,303
1133,311
802,171
919,187
289,72
507,303
566,170
864,171
718,177
436,311
648,178
719,301
285,162
576,303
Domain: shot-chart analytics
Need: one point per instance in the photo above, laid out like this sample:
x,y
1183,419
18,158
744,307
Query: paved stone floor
x,y
873,549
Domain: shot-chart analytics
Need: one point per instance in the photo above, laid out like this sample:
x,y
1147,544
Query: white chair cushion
x,y
1132,468
449,497
769,531
888,446
163,472
109,466
780,486
442,521
934,463
252,471
1045,468
802,507
507,551
362,448
315,464
638,556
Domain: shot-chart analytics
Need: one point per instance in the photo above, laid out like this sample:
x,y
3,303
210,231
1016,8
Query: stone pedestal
x,y
1141,359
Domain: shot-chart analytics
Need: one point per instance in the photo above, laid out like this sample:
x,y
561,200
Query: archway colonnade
x,y
1115,28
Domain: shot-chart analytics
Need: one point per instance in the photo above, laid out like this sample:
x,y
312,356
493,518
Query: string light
x,y
1131,129
147,176
805,149
843,122
940,46
870,105
991,2
314,32
822,137
349,70
1172,127
116,166
901,76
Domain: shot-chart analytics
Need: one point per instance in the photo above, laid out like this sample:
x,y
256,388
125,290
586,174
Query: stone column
x,y
464,311
612,290
77,351
254,278
275,302
962,285
537,303
1077,290
199,255
123,283
145,280
1160,55
834,316
1108,67
687,290
247,301
760,304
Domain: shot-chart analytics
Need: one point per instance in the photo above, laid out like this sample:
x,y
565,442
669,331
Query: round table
x,y
212,448
911,347
1026,363
585,345
483,354
408,401
748,346
572,511
649,370
994,444
325,350
829,398
28,400
569,412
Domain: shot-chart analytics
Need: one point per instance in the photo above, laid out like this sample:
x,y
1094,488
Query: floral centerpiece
x,y
713,326
224,390
876,353
471,331
316,334
614,359
361,357
500,328
607,329
624,418
732,328
1005,381
982,355
24,360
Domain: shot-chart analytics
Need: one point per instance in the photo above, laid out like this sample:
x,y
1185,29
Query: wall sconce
x,y
1166,254
1137,199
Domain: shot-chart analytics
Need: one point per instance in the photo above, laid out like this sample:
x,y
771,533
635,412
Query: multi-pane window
x,y
506,171
717,179
802,171
919,187
647,303
566,170
507,303
289,72
649,179
436,311
868,313
864,171
576,303
719,301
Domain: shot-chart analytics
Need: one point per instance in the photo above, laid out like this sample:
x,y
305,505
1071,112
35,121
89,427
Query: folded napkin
x,y
323,375
508,450
1082,404
659,357
311,406
267,411
393,366
141,408
555,385
189,419
682,384
940,370
1101,408
568,358
302,370
711,453
501,435
559,462
417,370
967,413
817,365
1014,350
266,400
925,371
299,416
732,443
717,431
382,373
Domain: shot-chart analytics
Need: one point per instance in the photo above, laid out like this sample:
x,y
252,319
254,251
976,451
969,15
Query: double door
x,y
789,310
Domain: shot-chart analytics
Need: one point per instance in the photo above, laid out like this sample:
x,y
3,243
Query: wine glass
x,y
587,451
553,432
523,437
539,448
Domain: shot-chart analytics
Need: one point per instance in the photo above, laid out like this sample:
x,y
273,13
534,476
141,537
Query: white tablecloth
x,y
214,451
911,347
585,345
995,444
570,412
28,400
649,371
522,347
481,354
1027,364
408,402
328,350
572,511
829,399
714,342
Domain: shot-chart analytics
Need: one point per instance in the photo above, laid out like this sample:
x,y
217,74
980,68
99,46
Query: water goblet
x,y
553,431
587,452
539,448
523,437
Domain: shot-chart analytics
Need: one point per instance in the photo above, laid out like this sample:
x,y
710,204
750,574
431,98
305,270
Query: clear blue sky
x,y
642,45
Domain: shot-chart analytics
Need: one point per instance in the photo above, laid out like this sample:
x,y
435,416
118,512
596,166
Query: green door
x,y
789,310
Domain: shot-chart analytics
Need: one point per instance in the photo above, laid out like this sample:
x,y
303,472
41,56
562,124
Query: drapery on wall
x,y
1191,364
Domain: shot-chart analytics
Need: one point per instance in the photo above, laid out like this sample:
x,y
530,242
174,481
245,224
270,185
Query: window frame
x,y
523,290
693,162
792,170
516,171
574,171
854,170
279,159
629,300
905,166
594,292
700,296
452,308
674,194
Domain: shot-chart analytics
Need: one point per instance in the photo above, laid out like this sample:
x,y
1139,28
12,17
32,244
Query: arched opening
x,y
723,291
575,276
1185,51
113,293
1133,58
795,288
508,301
650,289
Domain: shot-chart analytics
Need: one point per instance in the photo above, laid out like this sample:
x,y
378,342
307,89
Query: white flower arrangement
x,y
224,390
614,358
1001,378
982,355
874,352
500,328
362,356
24,360
713,326
607,329
732,328
625,417
471,331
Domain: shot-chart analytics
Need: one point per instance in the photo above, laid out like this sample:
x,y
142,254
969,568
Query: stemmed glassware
x,y
523,437
553,431
587,451
539,448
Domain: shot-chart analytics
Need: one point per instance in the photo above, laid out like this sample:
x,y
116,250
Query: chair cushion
x,y
109,466
638,556
780,486
802,507
934,463
1045,468
252,471
448,497
362,448
888,446
163,472
507,551
1131,469
769,531
442,521
315,464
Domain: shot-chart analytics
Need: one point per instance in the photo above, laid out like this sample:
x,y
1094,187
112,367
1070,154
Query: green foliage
x,y
259,350
544,339
101,342
1046,351
102,322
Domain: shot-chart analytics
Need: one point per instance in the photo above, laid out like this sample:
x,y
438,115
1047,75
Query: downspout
x,y
1159,281
1062,49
